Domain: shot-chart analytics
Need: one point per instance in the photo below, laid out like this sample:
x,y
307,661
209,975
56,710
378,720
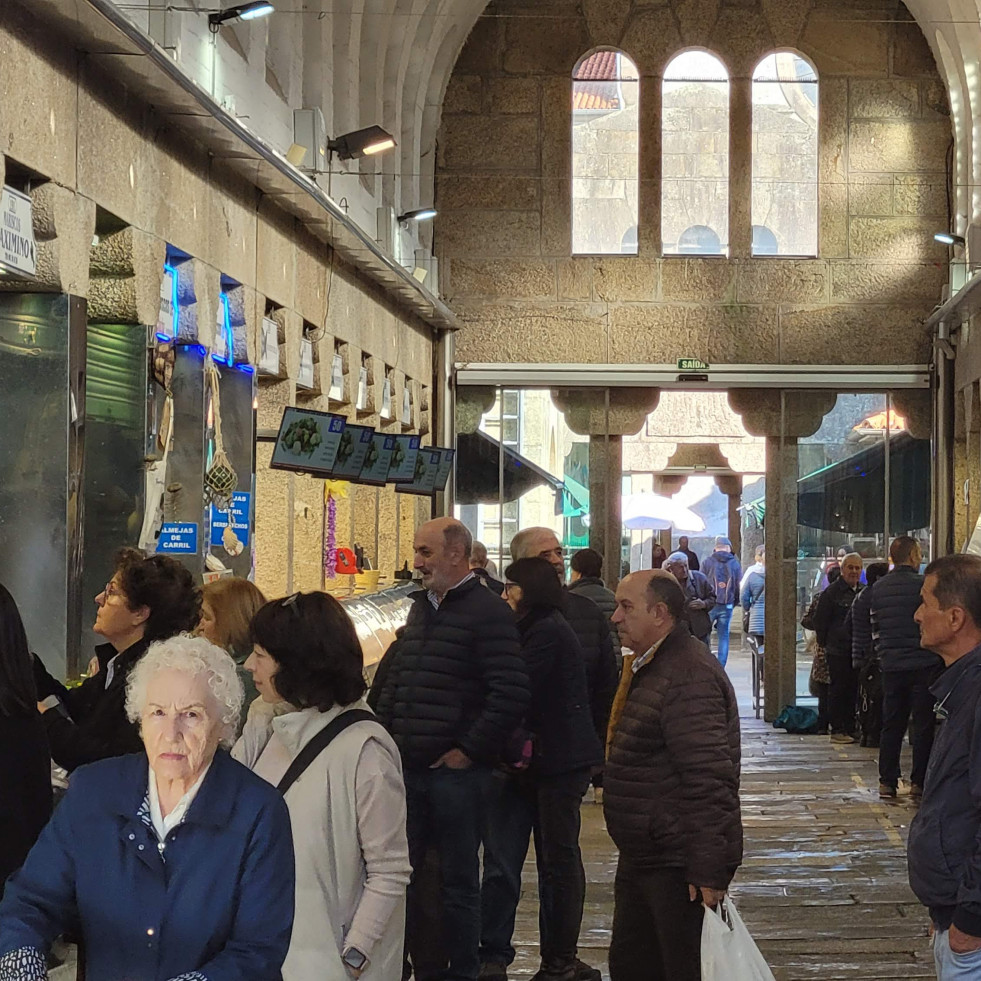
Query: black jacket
x,y
96,726
692,559
858,626
944,848
830,616
895,598
671,787
559,714
701,592
25,788
591,626
456,678
595,589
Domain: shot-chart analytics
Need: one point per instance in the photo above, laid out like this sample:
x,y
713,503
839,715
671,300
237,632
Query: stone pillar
x,y
605,468
605,416
732,487
782,417
740,167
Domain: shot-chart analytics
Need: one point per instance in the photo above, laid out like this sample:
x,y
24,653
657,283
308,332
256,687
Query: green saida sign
x,y
691,364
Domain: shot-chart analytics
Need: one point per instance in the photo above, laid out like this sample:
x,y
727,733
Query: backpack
x,y
870,701
797,719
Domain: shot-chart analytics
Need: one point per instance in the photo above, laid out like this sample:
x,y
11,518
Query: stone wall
x,y
92,153
503,190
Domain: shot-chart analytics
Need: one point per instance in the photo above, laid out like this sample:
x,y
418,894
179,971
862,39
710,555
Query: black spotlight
x,y
362,143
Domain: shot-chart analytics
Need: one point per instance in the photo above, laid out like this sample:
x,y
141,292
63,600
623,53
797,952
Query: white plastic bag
x,y
728,951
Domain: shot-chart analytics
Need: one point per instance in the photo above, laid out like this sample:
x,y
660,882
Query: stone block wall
x,y
504,192
91,152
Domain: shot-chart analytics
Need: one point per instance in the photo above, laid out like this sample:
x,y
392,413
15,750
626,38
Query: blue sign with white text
x,y
239,513
178,538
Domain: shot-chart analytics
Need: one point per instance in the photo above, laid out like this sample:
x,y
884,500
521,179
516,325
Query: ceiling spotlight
x,y
241,11
420,214
362,143
948,238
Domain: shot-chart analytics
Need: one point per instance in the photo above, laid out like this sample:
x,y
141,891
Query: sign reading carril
x,y
691,364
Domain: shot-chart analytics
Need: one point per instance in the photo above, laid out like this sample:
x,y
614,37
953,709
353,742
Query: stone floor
x,y
823,886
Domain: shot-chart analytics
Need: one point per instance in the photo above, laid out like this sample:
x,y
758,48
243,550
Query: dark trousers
x,y
821,687
549,807
657,929
443,813
844,690
906,694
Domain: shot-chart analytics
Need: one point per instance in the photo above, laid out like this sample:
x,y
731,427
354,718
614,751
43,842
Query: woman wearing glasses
x,y
545,797
147,599
312,735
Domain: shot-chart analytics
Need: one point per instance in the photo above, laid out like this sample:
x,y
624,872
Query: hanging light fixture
x,y
362,143
948,238
241,11
420,214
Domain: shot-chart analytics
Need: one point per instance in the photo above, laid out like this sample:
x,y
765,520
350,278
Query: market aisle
x,y
823,886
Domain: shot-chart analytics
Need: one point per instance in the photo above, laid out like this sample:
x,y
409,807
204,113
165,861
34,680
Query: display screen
x,y
404,457
308,442
352,452
379,460
426,473
445,467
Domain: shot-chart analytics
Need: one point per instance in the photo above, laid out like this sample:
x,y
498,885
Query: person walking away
x,y
692,557
753,599
545,797
25,766
908,671
832,636
944,847
723,571
757,566
865,658
456,691
699,596
227,608
348,810
672,787
586,579
591,628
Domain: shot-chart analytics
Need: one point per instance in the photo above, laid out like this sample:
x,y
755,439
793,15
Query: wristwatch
x,y
353,958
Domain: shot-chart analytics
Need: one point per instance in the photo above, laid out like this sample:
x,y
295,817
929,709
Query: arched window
x,y
785,154
764,241
695,156
605,146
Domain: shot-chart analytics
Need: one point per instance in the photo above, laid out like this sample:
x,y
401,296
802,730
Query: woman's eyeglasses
x,y
509,585
111,589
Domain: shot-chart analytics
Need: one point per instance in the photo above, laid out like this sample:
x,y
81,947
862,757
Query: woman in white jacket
x,y
347,806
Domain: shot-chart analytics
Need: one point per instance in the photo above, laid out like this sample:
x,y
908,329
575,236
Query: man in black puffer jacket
x,y
672,787
908,670
455,691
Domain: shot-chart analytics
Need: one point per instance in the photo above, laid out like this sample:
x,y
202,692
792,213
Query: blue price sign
x,y
178,539
239,513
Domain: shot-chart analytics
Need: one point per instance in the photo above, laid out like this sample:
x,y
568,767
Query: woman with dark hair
x,y
25,767
147,599
348,811
545,797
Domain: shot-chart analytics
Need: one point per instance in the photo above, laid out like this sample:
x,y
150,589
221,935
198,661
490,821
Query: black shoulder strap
x,y
320,742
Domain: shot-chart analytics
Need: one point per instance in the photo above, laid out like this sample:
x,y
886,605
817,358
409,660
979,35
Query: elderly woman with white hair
x,y
173,864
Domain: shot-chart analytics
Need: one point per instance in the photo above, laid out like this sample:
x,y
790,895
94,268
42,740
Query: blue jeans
x,y
444,810
549,806
951,966
720,615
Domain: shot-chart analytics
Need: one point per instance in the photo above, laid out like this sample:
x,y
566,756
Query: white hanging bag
x,y
728,951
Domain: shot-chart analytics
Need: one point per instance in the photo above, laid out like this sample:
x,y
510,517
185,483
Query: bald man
x,y
456,691
672,786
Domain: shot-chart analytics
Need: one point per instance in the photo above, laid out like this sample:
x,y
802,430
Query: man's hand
x,y
455,759
962,943
711,897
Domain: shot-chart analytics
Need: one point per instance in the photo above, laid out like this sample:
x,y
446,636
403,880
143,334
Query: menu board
x,y
445,467
308,442
378,460
353,451
427,471
404,456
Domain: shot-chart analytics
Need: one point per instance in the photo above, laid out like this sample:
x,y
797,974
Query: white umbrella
x,y
654,512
